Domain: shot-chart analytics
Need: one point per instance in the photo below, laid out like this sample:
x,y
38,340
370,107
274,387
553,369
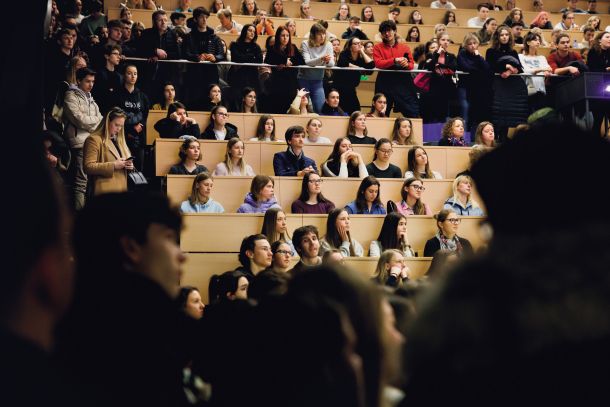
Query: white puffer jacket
x,y
81,116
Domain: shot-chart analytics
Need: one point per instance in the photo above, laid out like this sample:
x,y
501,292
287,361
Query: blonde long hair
x,y
229,162
103,132
464,178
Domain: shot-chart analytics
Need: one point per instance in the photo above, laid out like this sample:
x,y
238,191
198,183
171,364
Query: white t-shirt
x,y
220,134
320,140
476,22
437,4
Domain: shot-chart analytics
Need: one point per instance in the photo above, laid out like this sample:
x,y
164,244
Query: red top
x,y
555,61
384,55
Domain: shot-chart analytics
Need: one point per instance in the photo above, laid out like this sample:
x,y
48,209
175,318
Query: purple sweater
x,y
251,206
319,208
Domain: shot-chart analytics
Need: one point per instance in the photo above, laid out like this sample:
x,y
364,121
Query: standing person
x,y
398,88
202,45
447,223
402,132
107,79
381,167
338,235
509,107
534,64
200,200
443,65
598,60
313,132
474,89
158,43
293,162
135,104
127,249
190,155
282,84
461,202
411,203
106,155
81,117
393,235
261,197
418,165
367,200
58,57
245,50
317,51
311,199
234,163
357,132
346,82
177,123
344,162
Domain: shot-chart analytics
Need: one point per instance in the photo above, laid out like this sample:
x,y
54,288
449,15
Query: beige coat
x,y
99,158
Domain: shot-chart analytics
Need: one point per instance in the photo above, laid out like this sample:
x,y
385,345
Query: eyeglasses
x,y
222,114
455,221
284,252
418,187
388,152
316,181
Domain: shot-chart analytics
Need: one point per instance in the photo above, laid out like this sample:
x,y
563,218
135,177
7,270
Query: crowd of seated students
x,y
138,86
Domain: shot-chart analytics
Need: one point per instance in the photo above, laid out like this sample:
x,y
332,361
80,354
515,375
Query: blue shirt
x,y
376,209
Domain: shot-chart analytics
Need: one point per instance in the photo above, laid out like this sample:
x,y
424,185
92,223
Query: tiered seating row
x,y
332,127
200,232
449,161
200,267
230,191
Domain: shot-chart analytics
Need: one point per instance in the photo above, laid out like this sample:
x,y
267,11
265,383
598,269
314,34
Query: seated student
x,y
443,4
260,198
254,255
402,132
357,131
452,133
189,300
307,245
338,235
293,161
367,200
265,129
379,106
169,97
282,254
563,61
275,227
189,154
447,222
177,123
234,163
212,99
219,128
343,162
479,20
200,200
391,269
353,30
381,166
331,105
567,22
227,25
247,104
313,132
411,203
302,104
418,165
228,286
517,29
461,202
393,235
333,257
311,199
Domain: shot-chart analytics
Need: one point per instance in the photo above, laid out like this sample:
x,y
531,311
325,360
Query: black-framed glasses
x,y
418,187
388,152
222,114
316,181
